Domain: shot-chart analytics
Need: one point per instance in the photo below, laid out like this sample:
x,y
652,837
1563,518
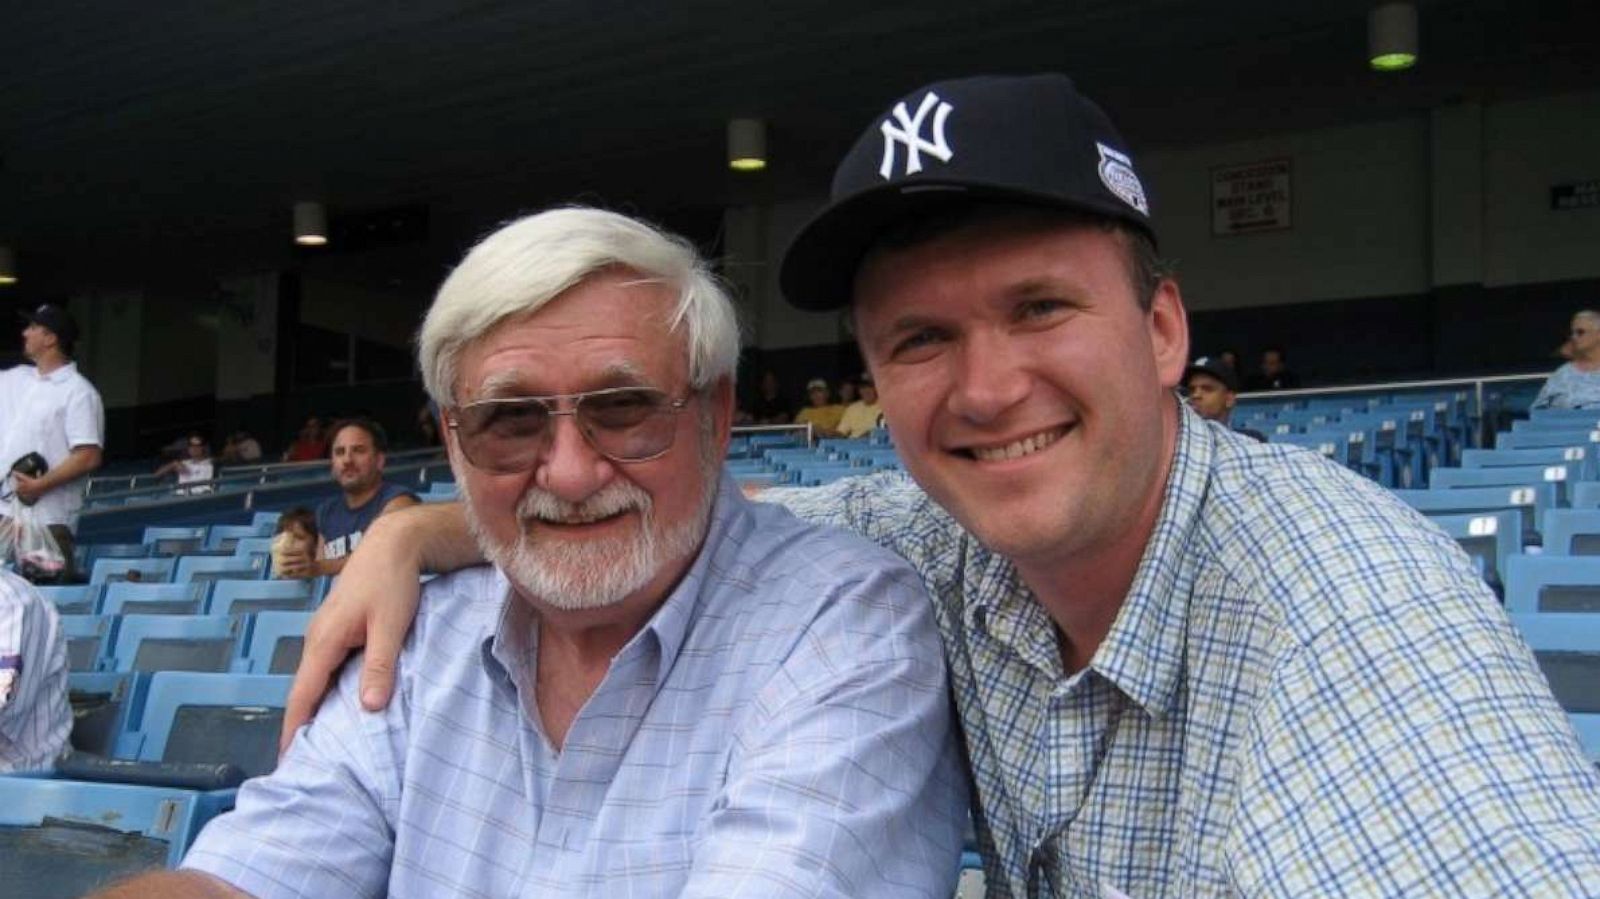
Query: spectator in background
x,y
294,539
427,426
35,718
51,409
863,415
1275,373
194,466
359,445
240,449
309,445
771,408
1576,385
848,392
821,413
1213,389
1230,359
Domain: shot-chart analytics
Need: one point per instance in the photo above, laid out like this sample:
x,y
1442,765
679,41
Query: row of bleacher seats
x,y
219,597
267,642
784,460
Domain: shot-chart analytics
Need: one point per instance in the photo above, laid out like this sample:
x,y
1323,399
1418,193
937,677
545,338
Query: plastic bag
x,y
30,546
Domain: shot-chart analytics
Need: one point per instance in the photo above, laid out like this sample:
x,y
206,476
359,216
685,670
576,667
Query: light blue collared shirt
x,y
780,727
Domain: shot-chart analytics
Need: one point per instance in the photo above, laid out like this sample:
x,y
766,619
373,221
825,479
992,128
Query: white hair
x,y
533,260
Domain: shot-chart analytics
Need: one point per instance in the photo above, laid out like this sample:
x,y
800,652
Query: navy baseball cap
x,y
58,320
1031,140
1211,365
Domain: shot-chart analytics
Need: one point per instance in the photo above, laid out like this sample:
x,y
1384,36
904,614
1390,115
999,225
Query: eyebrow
x,y
512,384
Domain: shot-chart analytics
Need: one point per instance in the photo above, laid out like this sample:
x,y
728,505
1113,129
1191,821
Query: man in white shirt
x,y
50,409
35,718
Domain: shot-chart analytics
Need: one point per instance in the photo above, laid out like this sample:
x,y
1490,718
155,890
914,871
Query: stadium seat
x,y
174,643
175,541
143,570
1490,538
62,838
224,536
1529,439
1587,459
1567,647
217,718
72,599
1563,418
267,522
1572,532
88,637
1530,502
129,598
94,552
1558,474
274,642
102,705
218,568
248,597
1585,495
1546,583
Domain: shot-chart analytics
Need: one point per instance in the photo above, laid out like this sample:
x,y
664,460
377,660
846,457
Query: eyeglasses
x,y
624,424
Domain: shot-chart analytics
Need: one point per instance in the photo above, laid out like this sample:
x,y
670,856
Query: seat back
x,y
174,643
1490,538
217,568
275,642
107,571
1572,532
247,597
72,599
88,639
102,705
214,718
1567,647
1546,583
175,540
131,598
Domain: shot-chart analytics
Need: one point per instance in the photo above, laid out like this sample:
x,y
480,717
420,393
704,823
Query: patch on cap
x,y
906,130
1116,173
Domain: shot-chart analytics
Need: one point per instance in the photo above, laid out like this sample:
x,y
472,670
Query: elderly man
x,y
1576,384
356,461
659,688
1187,663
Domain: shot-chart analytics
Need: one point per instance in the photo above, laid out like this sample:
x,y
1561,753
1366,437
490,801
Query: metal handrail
x,y
226,487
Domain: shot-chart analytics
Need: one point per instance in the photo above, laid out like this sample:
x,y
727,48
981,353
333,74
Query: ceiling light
x,y
8,266
310,224
1392,37
747,145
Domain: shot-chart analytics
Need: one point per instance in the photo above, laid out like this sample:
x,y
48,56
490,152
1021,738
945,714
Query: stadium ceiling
x,y
150,130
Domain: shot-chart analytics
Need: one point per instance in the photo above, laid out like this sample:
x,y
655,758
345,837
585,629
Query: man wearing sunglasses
x,y
658,688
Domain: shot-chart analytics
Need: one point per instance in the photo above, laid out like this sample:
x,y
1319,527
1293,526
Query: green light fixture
x,y
747,145
1392,37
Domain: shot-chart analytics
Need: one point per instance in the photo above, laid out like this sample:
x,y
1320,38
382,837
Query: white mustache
x,y
613,499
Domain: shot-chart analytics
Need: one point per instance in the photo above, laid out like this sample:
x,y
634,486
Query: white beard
x,y
591,574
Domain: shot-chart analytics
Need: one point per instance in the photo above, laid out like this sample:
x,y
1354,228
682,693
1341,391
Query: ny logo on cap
x,y
909,132
1116,173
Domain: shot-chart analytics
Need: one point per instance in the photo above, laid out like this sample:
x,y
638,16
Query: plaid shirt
x,y
780,727
1308,692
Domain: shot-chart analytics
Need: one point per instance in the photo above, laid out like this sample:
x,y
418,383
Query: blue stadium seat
x,y
1567,647
274,642
66,838
129,598
1572,532
249,597
1585,457
1529,439
1544,583
1558,474
175,541
217,568
103,704
1490,538
218,718
266,521
94,552
174,643
1562,418
826,473
88,639
72,599
224,536
1585,495
148,570
1530,502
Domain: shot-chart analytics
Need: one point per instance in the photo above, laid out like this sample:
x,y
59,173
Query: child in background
x,y
296,536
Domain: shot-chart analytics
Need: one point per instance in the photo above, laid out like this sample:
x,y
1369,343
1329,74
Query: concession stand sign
x,y
1252,197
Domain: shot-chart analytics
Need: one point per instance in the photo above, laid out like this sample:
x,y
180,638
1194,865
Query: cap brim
x,y
819,267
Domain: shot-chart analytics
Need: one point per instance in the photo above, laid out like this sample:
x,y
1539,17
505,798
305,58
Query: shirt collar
x,y
61,374
510,648
1144,652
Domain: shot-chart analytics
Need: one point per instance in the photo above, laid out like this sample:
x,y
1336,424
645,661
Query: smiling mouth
x,y
1017,449
580,521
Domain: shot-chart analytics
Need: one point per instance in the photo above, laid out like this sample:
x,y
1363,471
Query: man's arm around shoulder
x,y
172,885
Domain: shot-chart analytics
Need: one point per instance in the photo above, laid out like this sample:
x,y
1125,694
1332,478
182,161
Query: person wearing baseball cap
x,y
1186,663
820,412
51,409
1212,389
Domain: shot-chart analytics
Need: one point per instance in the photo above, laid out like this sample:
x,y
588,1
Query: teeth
x,y
1016,450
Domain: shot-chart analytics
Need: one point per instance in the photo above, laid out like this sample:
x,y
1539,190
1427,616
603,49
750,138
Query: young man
x,y
1213,389
356,460
660,688
51,409
1186,663
863,415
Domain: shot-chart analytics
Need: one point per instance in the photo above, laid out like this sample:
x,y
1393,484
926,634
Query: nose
x,y
571,469
989,380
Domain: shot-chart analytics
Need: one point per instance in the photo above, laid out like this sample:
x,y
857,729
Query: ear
x,y
1169,333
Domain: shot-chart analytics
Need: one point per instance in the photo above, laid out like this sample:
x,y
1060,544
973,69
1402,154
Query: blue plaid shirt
x,y
1308,692
780,727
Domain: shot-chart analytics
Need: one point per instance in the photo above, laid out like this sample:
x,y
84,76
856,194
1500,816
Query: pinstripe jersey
x,y
1308,691
780,727
35,718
